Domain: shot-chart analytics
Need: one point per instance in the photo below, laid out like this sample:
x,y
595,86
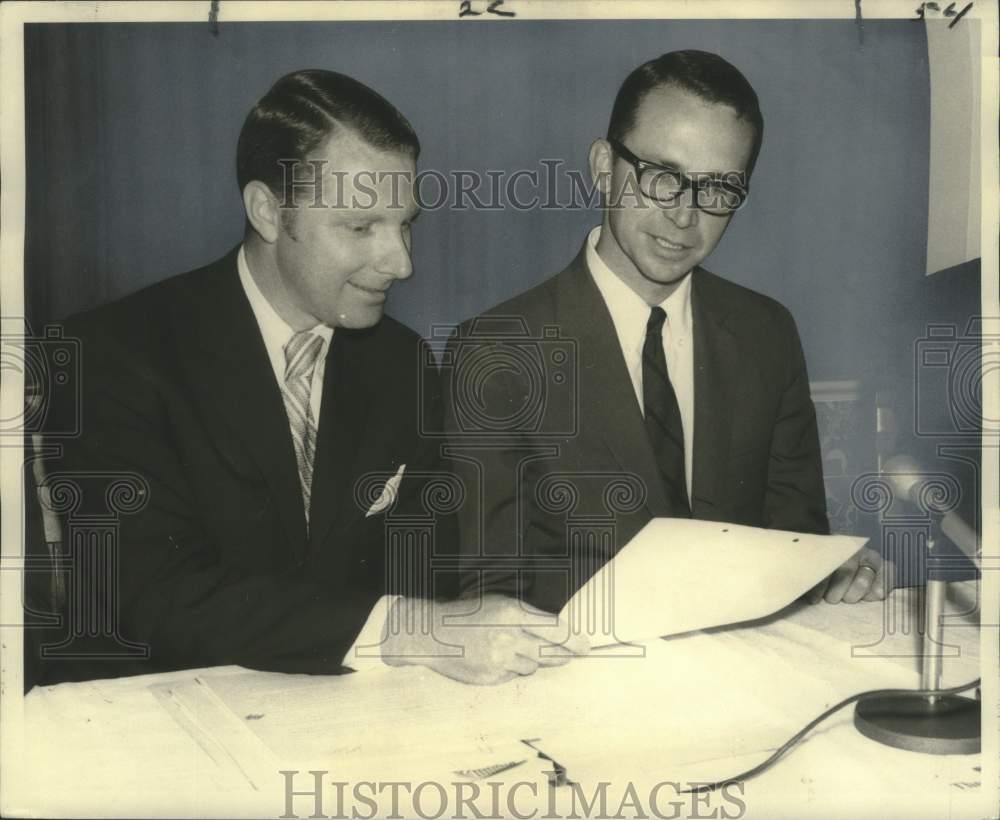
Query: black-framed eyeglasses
x,y
719,196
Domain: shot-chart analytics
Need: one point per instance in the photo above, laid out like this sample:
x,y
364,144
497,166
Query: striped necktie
x,y
301,354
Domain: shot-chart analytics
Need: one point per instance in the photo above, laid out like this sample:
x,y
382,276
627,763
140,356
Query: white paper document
x,y
678,575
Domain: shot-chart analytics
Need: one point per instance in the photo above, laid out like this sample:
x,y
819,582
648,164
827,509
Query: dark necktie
x,y
663,416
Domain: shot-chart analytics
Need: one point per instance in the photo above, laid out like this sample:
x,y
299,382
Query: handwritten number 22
x,y
466,10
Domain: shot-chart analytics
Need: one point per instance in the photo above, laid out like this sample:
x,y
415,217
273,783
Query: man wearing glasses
x,y
690,389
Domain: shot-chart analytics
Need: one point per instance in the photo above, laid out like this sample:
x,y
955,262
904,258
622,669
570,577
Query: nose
x,y
683,212
395,260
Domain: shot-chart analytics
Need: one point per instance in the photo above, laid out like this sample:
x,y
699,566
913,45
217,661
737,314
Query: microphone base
x,y
944,725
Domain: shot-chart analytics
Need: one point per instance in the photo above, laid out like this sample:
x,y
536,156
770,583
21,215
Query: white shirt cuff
x,y
366,651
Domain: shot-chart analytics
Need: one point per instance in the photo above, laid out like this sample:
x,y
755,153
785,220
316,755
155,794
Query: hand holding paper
x,y
679,575
484,641
865,577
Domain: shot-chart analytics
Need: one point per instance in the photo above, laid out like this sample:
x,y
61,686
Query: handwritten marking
x,y
213,18
961,14
494,8
949,11
465,9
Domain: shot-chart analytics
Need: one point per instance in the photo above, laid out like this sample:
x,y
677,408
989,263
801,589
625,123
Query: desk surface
x,y
704,706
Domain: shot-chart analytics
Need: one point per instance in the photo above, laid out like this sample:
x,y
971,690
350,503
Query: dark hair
x,y
702,73
304,108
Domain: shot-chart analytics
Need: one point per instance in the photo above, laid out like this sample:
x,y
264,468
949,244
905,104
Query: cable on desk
x,y
796,738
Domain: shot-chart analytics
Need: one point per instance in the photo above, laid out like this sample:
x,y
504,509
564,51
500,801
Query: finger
x,y
488,678
541,651
521,664
815,595
553,655
504,611
861,584
490,646
531,617
875,593
578,643
840,581
560,636
880,586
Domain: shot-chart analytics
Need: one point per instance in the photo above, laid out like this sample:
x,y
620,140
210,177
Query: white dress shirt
x,y
630,313
277,333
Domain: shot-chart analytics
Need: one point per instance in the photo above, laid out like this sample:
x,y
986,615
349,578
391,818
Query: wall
x,y
132,132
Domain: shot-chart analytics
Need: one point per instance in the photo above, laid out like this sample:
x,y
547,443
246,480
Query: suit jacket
x,y
215,565
559,450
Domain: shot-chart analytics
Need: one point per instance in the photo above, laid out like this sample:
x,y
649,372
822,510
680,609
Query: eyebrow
x,y
370,216
665,163
676,166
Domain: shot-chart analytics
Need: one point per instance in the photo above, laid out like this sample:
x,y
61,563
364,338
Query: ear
x,y
262,210
601,159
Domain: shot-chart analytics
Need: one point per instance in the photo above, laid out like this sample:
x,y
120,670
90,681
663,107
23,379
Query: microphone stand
x,y
932,724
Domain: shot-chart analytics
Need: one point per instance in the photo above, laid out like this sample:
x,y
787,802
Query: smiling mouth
x,y
666,244
369,291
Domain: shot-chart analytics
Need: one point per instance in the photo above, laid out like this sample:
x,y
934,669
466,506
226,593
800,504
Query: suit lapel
x,y
715,368
605,386
352,433
233,370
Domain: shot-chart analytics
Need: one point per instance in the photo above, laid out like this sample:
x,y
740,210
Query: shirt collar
x,y
275,330
629,311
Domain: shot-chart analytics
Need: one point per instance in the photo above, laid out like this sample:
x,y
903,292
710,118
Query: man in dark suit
x,y
265,412
689,396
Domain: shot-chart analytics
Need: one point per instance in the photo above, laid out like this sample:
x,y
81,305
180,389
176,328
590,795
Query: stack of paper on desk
x,y
402,723
679,575
686,704
666,703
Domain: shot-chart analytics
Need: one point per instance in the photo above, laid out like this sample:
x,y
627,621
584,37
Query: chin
x,y
669,276
359,319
